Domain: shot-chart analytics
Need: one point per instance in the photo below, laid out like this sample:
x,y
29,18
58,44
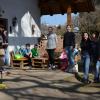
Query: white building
x,y
26,13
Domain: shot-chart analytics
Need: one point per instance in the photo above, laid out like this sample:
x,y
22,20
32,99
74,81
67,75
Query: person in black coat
x,y
86,53
68,45
94,42
97,76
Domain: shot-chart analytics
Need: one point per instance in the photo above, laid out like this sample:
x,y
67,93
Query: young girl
x,y
86,52
64,61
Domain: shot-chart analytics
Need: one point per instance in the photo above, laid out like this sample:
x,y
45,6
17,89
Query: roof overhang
x,y
50,7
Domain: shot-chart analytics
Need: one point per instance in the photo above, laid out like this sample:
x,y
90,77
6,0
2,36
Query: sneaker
x,y
49,65
79,78
86,81
49,68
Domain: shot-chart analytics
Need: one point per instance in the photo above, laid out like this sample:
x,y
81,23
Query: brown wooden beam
x,y
60,6
69,17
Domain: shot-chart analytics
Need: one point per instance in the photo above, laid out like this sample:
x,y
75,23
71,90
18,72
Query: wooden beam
x,y
60,6
69,17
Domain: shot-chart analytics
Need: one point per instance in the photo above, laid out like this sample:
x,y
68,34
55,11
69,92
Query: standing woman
x,y
86,52
94,41
51,45
97,76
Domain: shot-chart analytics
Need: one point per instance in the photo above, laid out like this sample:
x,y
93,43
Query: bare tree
x,y
90,22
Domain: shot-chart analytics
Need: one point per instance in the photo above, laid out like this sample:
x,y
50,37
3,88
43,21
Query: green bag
x,y
18,56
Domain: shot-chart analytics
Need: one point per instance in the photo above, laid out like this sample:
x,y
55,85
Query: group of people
x,y
27,52
68,47
90,51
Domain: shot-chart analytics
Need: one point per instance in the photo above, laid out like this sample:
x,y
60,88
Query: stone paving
x,y
46,85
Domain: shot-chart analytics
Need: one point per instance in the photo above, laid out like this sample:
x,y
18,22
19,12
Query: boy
x,y
27,53
34,51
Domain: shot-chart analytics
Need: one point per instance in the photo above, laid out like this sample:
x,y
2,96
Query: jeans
x,y
86,64
69,51
97,69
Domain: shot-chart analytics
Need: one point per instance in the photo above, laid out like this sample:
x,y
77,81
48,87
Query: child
x,y
64,61
21,50
34,51
76,58
28,54
27,51
17,54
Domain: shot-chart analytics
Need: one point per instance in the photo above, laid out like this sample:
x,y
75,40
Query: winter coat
x,y
98,49
86,46
69,39
51,41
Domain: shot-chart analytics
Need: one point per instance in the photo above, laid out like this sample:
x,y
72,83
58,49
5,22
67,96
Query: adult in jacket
x,y
51,46
68,45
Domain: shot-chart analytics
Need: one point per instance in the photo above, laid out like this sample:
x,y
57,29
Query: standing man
x,y
51,45
68,45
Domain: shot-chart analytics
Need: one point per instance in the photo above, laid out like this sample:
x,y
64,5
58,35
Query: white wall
x,y
18,9
27,13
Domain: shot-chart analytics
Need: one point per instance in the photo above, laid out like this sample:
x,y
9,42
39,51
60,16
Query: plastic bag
x,y
63,55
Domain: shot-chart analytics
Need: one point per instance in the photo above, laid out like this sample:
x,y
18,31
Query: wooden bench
x,y
57,61
21,63
43,62
38,62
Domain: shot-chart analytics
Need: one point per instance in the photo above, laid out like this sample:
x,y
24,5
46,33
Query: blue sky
x,y
54,20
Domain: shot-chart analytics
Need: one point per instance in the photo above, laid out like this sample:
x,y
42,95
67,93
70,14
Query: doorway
x,y
3,32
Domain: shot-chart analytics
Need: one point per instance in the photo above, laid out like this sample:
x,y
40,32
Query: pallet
x,y
19,63
38,62
43,62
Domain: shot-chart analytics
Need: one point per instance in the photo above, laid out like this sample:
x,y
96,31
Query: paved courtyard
x,y
46,85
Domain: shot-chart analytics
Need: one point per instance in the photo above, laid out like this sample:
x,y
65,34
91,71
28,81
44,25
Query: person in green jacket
x,y
35,52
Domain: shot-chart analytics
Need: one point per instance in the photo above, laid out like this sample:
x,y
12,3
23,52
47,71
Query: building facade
x,y
20,16
21,19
